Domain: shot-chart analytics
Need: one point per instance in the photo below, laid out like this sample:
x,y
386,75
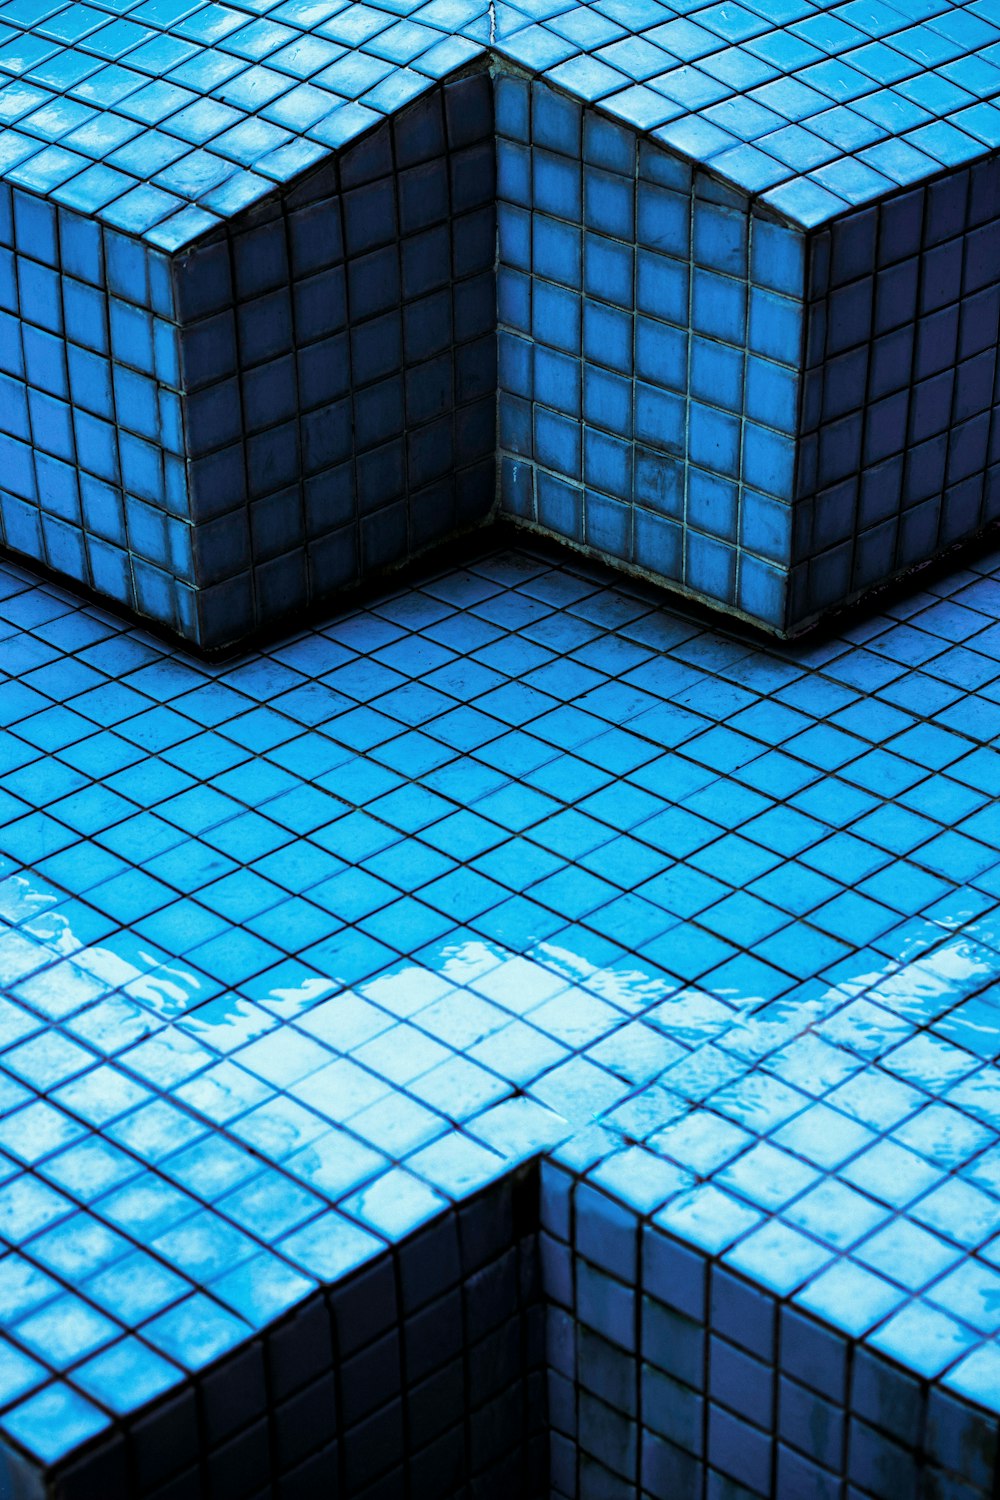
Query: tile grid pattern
x,y
339,366
168,122
92,441
278,413
165,116
899,434
815,109
420,1371
651,328
513,862
669,1376
771,421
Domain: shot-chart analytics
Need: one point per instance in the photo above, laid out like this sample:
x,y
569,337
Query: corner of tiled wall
x,y
671,1373
650,344
898,458
91,405
500,298
253,415
339,350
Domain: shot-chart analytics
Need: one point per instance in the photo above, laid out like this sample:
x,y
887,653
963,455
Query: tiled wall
x,y
91,424
421,1373
650,334
339,354
671,1377
770,420
545,1340
291,405
899,446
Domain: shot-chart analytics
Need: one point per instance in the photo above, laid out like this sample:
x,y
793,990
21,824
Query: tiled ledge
x,y
501,299
543,1338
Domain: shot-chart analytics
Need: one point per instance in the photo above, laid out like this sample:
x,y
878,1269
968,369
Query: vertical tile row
x,y
650,335
899,438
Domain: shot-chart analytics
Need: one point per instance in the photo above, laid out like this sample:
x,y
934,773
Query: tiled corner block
x,y
898,446
418,1370
650,336
770,418
217,434
671,1377
543,1338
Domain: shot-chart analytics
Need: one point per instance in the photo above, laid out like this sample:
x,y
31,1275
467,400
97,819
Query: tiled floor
x,y
514,860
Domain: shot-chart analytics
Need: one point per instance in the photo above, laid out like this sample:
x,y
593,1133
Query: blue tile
x,y
513,861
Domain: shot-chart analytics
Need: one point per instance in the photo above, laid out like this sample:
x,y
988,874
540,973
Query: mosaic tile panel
x,y
530,946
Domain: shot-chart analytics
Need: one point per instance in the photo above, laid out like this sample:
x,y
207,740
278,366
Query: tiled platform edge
x,y
420,1372
545,1340
772,420
761,375
305,955
670,1377
302,398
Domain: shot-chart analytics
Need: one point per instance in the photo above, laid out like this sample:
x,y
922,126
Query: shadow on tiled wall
x,y
543,1341
768,416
